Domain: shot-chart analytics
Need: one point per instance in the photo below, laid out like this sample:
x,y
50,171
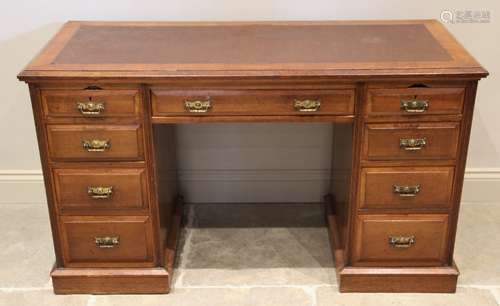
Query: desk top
x,y
180,49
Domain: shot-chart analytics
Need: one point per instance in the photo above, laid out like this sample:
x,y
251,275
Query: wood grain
x,y
377,188
246,103
135,248
427,280
117,103
441,101
66,142
382,141
110,281
373,232
129,190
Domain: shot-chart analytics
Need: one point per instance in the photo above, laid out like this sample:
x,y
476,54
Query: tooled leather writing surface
x,y
251,44
155,50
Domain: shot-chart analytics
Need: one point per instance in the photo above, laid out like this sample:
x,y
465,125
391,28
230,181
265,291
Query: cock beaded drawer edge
x,y
107,96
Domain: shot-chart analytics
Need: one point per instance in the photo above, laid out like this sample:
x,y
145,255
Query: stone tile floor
x,y
247,255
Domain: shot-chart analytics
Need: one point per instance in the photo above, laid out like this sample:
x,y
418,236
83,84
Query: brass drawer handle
x,y
412,144
96,145
402,242
307,105
90,108
100,192
107,242
198,106
414,106
406,191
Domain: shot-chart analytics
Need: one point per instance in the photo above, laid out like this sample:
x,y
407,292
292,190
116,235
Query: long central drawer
x,y
252,102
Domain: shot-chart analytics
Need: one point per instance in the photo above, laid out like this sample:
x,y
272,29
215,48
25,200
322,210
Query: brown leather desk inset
x,y
106,97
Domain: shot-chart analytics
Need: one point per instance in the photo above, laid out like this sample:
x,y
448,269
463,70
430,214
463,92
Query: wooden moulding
x,y
173,236
110,281
381,279
122,280
425,280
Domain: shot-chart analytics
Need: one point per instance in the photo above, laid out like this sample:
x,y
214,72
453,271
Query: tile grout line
x,y
311,291
304,287
496,295
48,284
493,289
22,289
488,287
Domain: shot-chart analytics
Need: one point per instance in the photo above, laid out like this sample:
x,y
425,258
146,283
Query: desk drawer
x,y
401,240
107,241
411,141
247,102
406,188
100,189
95,142
415,101
91,103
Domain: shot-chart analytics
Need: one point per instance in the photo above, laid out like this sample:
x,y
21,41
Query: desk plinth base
x,y
110,281
378,279
425,280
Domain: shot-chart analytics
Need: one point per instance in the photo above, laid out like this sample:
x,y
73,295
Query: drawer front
x,y
95,142
406,188
401,240
107,241
411,141
235,102
91,103
415,101
100,189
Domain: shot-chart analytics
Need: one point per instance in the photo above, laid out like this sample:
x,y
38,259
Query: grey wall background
x,y
246,161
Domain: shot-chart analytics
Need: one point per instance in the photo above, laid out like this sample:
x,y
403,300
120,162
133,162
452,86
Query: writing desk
x,y
106,97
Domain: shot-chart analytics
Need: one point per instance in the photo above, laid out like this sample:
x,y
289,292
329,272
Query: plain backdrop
x,y
250,154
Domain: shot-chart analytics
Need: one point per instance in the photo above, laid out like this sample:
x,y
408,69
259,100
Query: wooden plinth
x,y
428,280
110,281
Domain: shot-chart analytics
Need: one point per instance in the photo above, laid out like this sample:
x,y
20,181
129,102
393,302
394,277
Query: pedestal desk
x,y
107,96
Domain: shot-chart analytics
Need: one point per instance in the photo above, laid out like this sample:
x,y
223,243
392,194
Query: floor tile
x,y
26,251
41,298
496,293
257,277
259,248
258,256
463,297
213,296
477,247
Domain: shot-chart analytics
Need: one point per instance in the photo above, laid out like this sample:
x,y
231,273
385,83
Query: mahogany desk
x,y
106,97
